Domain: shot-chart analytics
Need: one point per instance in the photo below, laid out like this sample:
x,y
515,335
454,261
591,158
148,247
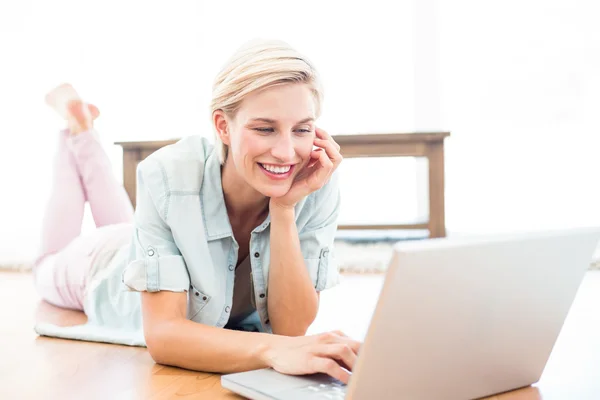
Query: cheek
x,y
305,148
248,148
254,148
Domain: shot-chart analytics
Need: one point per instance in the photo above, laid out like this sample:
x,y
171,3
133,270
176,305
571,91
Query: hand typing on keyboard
x,y
331,353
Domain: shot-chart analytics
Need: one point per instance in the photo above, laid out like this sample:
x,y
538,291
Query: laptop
x,y
456,319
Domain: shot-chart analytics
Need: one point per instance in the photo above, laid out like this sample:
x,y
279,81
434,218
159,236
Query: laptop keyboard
x,y
334,390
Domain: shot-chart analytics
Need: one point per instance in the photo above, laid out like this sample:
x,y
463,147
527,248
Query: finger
x,y
326,167
332,152
94,111
321,174
340,333
314,157
340,352
331,368
353,344
321,134
340,337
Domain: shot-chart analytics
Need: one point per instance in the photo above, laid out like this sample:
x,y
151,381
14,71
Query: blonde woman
x,y
238,235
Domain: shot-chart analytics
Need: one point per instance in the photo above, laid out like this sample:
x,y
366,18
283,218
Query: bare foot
x,y
65,100
81,116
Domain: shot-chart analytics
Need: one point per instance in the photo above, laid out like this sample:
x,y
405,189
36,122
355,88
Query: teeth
x,y
275,169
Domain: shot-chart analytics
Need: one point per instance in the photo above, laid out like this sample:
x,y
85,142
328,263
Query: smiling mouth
x,y
276,169
277,173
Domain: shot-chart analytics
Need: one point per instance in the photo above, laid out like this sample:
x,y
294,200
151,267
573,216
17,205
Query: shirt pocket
x,y
197,300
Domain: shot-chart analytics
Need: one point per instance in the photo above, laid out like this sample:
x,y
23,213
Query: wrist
x,y
267,349
280,210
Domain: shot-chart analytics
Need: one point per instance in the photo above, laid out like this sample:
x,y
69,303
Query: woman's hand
x,y
323,161
331,353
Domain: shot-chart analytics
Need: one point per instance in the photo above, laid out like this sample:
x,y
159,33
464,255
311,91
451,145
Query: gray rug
x,y
369,251
374,257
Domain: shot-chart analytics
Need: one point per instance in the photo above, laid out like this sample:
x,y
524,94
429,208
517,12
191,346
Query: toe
x,y
76,111
94,111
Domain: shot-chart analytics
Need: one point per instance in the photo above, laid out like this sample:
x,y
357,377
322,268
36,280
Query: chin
x,y
274,191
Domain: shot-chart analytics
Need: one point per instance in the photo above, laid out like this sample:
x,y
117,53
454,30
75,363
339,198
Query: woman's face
x,y
271,137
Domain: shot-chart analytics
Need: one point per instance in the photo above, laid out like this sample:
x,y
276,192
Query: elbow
x,y
298,325
304,324
306,320
311,315
297,328
299,331
155,346
157,340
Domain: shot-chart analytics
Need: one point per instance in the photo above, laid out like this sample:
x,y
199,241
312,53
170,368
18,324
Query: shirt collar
x,y
213,207
214,211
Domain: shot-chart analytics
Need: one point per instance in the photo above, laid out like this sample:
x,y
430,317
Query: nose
x,y
284,149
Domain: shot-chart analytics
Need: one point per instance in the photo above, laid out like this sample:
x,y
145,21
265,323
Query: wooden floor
x,y
33,367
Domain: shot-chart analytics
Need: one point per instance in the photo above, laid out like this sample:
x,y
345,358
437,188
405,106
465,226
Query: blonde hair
x,y
258,65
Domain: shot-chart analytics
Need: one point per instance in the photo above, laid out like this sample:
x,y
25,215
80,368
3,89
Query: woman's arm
x,y
174,340
293,302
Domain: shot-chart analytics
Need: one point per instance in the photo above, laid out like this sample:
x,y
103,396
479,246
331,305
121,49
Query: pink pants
x,y
81,172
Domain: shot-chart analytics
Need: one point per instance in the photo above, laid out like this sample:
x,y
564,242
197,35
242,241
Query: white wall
x,y
517,83
521,93
136,60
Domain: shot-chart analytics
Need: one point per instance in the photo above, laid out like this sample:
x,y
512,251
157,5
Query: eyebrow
x,y
272,121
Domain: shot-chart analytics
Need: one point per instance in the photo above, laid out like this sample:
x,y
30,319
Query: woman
x,y
238,235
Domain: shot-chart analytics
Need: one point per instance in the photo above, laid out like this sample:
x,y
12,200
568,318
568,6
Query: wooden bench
x,y
420,144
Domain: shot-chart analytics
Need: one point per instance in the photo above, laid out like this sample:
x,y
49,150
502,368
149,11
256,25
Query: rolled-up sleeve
x,y
317,237
155,262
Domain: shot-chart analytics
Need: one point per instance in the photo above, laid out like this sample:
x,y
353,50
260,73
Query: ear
x,y
221,126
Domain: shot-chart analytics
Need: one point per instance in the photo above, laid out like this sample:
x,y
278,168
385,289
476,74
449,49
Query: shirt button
x,y
150,252
257,254
231,267
227,309
262,295
267,322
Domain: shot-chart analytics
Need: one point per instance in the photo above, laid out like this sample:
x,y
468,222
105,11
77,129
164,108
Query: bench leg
x,y
131,158
437,224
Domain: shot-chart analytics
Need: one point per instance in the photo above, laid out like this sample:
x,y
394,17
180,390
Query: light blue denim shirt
x,y
183,242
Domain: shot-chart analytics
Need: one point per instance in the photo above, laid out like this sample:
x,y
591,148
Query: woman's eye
x,y
269,130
